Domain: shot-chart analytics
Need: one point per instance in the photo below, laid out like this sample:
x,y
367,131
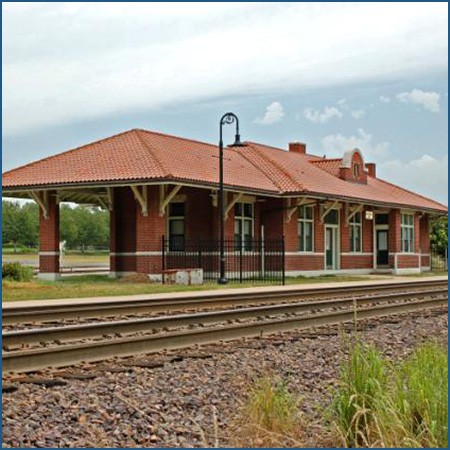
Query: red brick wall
x,y
367,233
304,262
123,230
151,228
425,261
356,262
271,213
407,261
424,242
198,213
319,232
49,236
416,233
345,233
394,231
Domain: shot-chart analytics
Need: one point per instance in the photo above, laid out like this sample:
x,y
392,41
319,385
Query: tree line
x,y
80,227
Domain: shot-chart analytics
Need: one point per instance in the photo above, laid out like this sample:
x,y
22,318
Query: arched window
x,y
356,170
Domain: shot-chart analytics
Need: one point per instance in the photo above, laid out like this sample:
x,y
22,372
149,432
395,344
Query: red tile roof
x,y
139,155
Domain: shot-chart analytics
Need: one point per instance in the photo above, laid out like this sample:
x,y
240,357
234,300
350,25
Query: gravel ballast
x,y
191,398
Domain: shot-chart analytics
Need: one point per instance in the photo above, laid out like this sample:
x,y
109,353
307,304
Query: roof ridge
x,y
67,151
322,160
268,146
273,164
409,191
176,137
148,147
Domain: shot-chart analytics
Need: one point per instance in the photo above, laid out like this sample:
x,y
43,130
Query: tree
x,y
80,227
439,234
20,224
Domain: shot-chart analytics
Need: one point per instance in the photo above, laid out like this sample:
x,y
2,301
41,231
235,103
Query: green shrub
x,y
16,272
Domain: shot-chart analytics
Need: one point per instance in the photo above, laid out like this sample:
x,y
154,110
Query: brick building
x,y
335,214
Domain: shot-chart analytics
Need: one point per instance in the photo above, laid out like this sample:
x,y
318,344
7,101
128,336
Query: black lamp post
x,y
227,118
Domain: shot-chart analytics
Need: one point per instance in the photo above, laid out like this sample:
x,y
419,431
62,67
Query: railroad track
x,y
106,340
12,315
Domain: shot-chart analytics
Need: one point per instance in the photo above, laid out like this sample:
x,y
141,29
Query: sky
x,y
333,75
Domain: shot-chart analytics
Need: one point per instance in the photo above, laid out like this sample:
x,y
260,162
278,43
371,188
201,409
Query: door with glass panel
x,y
382,246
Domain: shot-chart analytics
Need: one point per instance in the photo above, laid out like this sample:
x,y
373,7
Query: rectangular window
x,y
407,233
243,225
355,233
305,228
176,227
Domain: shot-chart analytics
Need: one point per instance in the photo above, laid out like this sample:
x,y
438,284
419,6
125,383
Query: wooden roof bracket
x,y
163,200
42,201
230,206
214,198
327,210
110,194
292,208
350,214
142,198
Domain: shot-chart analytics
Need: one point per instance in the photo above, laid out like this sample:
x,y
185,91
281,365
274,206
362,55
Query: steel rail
x,y
46,313
98,329
65,355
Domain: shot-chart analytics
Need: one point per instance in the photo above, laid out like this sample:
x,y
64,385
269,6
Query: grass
x,y
100,285
421,396
395,405
271,416
362,381
71,259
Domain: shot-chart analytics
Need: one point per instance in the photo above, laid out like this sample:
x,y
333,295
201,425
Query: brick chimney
x,y
297,147
371,169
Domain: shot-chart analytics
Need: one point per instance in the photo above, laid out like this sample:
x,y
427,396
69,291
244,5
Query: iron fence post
x,y
163,248
240,261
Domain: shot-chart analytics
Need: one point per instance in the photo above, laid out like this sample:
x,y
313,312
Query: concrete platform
x,y
376,280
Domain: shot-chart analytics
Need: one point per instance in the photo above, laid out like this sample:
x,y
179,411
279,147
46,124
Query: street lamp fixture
x,y
226,119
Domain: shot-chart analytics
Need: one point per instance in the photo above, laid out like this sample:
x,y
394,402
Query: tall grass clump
x,y
421,396
361,388
271,414
398,404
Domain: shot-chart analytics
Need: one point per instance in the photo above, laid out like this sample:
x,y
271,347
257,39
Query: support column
x,y
49,237
149,231
123,233
394,237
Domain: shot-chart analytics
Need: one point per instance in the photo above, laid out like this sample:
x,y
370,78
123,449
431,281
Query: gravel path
x,y
176,399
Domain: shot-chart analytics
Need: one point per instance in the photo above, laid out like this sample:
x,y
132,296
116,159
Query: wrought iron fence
x,y
439,259
253,260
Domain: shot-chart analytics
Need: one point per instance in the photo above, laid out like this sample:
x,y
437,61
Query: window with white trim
x,y
355,233
243,225
305,228
176,226
407,233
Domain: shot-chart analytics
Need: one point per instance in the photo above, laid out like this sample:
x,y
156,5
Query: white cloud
x,y
384,99
428,100
90,60
426,175
321,117
358,114
336,144
274,113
